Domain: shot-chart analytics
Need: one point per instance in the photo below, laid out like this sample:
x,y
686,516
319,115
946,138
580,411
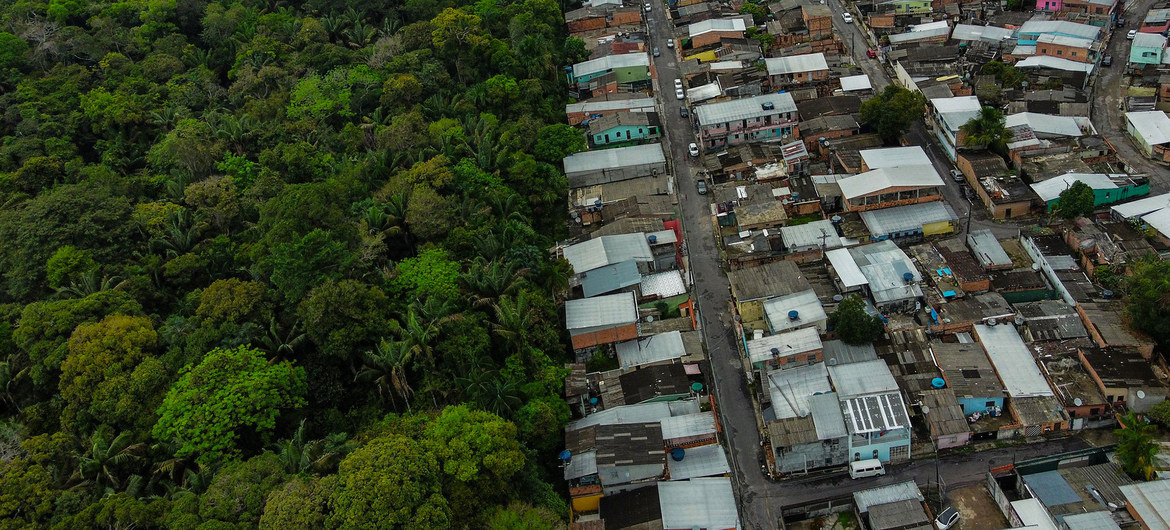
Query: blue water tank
x,y
908,276
793,315
938,382
653,239
592,401
566,456
677,454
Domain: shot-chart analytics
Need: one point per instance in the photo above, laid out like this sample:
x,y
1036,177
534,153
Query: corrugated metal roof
x,y
664,284
886,494
744,108
1044,61
611,310
698,503
600,106
716,24
792,64
880,413
1153,126
1045,123
791,388
884,266
1148,40
634,155
806,303
1051,488
825,410
703,461
817,234
652,349
688,425
880,179
1159,220
856,82
608,250
581,465
797,342
610,278
911,217
1141,206
846,268
838,352
1091,521
704,92
609,62
1064,40
993,34
986,248
1050,189
640,413
1151,501
1033,515
894,157
1012,361
920,34
867,377
1060,27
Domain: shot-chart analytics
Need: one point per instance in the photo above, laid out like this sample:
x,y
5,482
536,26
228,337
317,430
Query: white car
x,y
946,519
677,84
647,7
847,18
1132,33
669,43
693,149
678,93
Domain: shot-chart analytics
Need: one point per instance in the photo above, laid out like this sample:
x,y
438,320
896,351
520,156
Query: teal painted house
x,y
624,128
1146,48
1108,188
626,68
909,7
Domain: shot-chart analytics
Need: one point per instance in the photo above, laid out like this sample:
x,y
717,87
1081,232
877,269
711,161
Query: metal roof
x,y
1062,27
1045,123
894,157
1064,40
703,461
922,31
945,416
704,92
838,352
863,378
581,465
806,303
1032,514
817,234
856,82
640,413
797,342
792,64
716,24
634,155
1051,488
1159,220
744,108
601,311
698,503
1148,40
1012,361
1151,501
664,284
1141,206
847,270
956,111
1091,521
610,62
1044,61
791,388
904,514
610,278
1153,126
884,266
993,34
878,413
880,179
652,349
886,494
608,250
619,104
986,248
911,217
828,419
688,425
777,278
1050,189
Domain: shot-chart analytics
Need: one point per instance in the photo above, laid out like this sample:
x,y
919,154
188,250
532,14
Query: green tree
x,y
237,493
345,318
190,147
519,516
1146,294
68,264
892,112
1136,447
392,481
853,324
758,13
432,273
1075,201
299,266
232,396
234,300
986,130
555,142
1007,74
12,51
1161,413
299,503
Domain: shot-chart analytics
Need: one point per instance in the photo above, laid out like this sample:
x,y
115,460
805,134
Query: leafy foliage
x,y
1076,201
1136,447
853,324
986,130
892,112
1146,294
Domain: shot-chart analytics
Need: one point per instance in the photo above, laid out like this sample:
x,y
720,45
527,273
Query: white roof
x,y
1045,123
1061,27
885,267
1064,40
910,217
616,104
858,379
609,62
922,31
688,425
1044,61
1159,220
698,503
797,342
993,34
806,303
633,155
810,62
1151,501
986,248
725,65
652,349
877,180
894,157
601,311
1013,361
664,284
886,494
582,465
956,111
1050,189
811,235
791,388
744,108
716,24
703,461
1153,126
1148,40
640,413
846,268
856,82
607,250
704,92
1032,514
1141,206
1100,520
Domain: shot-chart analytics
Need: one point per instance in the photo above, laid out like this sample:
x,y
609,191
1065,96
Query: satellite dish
x,y
1141,394
1077,402
925,409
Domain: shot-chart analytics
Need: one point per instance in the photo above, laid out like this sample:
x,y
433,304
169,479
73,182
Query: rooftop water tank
x,y
908,276
566,456
696,387
677,454
793,315
653,239
938,382
592,401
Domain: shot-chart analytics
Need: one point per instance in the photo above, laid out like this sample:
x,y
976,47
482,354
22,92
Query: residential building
x,y
614,165
970,376
1117,370
1151,131
866,499
890,186
655,349
1077,49
936,32
818,439
606,104
698,503
797,69
703,461
662,382
1031,31
1108,188
786,350
881,270
764,117
1148,503
1033,403
944,417
629,68
815,236
790,390
795,311
752,286
713,30
856,84
948,115
601,319
912,221
609,250
898,515
1146,49
597,17
625,127
875,413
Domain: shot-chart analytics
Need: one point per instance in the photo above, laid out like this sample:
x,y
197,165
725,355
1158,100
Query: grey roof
x,y
922,31
788,344
825,410
640,413
1151,501
1153,126
744,108
876,180
993,34
581,465
703,461
882,412
610,278
986,248
600,311
698,503
663,284
805,303
838,352
810,62
1012,361
1045,123
655,348
857,379
1065,27
856,82
911,217
884,265
1051,320
1091,521
817,234
619,157
945,416
608,250
1148,40
778,278
1051,488
613,104
610,62
1141,206
886,494
790,432
791,388
903,514
688,425
1045,61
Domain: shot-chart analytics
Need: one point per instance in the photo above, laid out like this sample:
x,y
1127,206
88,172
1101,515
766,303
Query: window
x,y
875,454
1060,52
1094,411
1074,54
989,404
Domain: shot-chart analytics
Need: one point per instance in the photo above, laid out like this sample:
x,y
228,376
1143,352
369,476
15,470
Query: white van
x,y
866,468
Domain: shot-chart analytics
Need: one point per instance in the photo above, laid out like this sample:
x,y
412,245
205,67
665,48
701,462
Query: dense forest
x,y
282,264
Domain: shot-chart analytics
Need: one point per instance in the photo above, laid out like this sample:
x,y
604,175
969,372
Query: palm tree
x,y
497,395
386,366
986,130
282,345
1136,447
90,283
105,459
487,280
319,457
514,316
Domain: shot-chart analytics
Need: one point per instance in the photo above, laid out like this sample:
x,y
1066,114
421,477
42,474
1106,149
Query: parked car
x,y
1121,22
957,175
847,18
1132,33
1107,60
677,84
693,149
647,7
702,185
682,111
656,52
872,54
678,93
669,43
947,519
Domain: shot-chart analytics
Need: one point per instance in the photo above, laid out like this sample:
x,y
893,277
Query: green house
x,y
911,7
1108,188
626,68
624,128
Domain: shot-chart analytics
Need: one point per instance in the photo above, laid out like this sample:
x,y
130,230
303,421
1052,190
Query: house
x,y
817,130
785,350
899,515
891,186
1089,7
948,115
882,270
866,499
752,286
629,456
613,165
1117,370
945,419
910,7
1033,403
1005,195
610,74
623,275
970,376
703,461
606,104
969,274
764,117
1108,188
1148,503
602,16
931,32
911,221
790,390
1104,319
1047,320
797,69
690,430
812,441
707,502
795,311
1151,131
596,253
1079,395
1155,21
1031,31
601,319
856,84
815,236
1133,210
713,30
624,127
662,382
875,414
1065,47
1146,49
989,34
655,349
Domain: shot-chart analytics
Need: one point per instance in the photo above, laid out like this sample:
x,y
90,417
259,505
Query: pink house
x,y
1048,5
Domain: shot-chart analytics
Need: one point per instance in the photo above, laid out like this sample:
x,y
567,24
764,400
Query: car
x,y
682,112
679,94
872,54
847,18
1121,22
702,185
647,7
947,519
957,175
669,43
693,149
1107,60
1132,33
656,52
677,84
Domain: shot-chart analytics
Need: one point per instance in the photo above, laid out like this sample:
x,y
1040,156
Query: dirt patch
x,y
977,508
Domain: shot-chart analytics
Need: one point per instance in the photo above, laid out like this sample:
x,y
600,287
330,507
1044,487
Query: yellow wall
x,y
702,56
941,227
751,314
591,503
